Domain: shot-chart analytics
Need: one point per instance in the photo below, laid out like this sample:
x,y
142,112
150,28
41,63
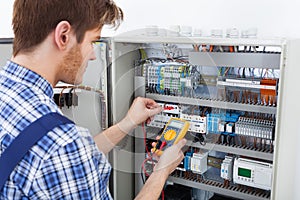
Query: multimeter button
x,y
170,135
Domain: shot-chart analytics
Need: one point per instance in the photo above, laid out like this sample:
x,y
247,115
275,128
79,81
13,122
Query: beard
x,y
72,66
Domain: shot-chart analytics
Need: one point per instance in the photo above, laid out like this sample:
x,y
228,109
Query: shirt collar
x,y
33,80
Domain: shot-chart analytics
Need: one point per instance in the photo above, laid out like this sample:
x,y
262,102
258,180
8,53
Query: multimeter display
x,y
174,130
176,124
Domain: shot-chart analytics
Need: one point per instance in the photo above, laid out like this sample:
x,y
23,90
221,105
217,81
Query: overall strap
x,y
14,153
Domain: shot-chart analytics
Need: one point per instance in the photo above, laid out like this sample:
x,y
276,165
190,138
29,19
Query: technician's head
x,y
72,26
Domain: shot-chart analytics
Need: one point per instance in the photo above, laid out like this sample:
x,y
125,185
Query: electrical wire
x,y
59,98
162,195
142,176
149,158
198,137
145,142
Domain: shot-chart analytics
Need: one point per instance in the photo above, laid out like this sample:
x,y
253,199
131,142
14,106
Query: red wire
x,y
147,150
143,166
149,158
145,137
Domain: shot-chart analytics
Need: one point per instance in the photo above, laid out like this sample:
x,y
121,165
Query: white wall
x,y
6,7
272,18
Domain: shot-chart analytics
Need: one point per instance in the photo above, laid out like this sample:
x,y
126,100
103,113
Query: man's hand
x,y
141,110
171,158
167,163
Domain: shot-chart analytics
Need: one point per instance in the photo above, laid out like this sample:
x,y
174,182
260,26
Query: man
x,y
53,42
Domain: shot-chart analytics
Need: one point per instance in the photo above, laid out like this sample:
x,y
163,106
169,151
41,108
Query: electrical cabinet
x,y
237,94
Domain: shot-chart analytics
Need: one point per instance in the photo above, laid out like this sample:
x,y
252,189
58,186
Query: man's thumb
x,y
181,143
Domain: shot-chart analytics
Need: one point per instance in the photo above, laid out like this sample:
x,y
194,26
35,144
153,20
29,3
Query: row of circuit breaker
x,y
178,79
238,170
204,121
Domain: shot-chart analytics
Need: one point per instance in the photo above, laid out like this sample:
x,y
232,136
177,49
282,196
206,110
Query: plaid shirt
x,y
64,164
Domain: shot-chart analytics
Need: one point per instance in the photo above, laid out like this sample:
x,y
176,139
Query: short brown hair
x,y
33,20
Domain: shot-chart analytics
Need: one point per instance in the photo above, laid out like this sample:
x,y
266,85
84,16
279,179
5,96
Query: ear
x,y
62,34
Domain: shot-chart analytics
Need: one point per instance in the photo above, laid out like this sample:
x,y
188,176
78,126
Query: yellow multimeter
x,y
174,130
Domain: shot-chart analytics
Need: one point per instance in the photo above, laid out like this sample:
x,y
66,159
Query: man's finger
x,y
154,111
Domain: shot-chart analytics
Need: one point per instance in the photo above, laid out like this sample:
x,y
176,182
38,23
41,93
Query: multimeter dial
x,y
170,135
